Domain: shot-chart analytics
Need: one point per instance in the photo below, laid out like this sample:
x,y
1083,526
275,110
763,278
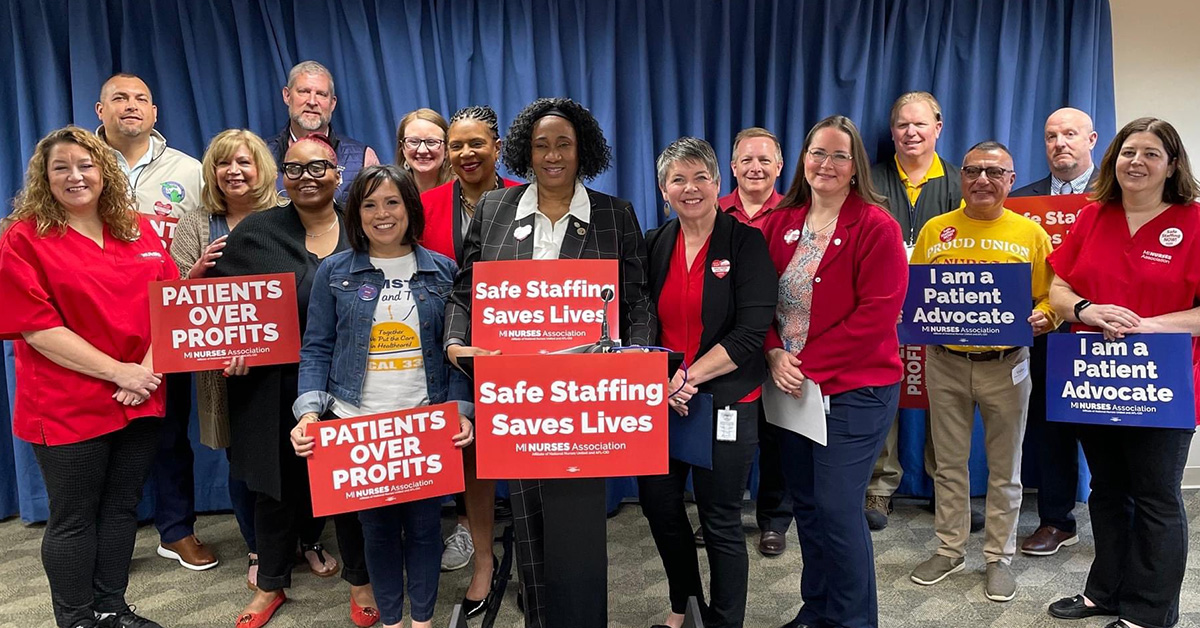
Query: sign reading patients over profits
x,y
571,415
382,459
199,325
968,304
1144,380
539,306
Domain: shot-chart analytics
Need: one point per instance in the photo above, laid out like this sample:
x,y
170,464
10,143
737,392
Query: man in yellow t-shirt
x,y
996,379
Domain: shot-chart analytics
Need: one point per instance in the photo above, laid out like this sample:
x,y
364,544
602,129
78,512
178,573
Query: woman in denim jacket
x,y
373,344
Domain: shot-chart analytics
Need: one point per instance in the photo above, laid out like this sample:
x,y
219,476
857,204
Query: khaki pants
x,y
956,385
886,476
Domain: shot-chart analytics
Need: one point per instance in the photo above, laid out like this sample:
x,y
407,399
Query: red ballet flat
x,y
259,619
363,616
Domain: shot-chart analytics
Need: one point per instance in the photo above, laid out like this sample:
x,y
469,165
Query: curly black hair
x,y
593,150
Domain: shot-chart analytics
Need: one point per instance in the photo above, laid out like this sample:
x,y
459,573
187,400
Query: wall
x,y
1156,66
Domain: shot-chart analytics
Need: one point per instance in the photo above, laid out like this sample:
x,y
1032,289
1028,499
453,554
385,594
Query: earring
x,y
853,180
666,209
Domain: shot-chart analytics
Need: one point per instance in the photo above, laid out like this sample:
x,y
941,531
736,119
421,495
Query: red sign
x,y
383,459
198,325
571,415
522,307
1055,214
164,227
913,394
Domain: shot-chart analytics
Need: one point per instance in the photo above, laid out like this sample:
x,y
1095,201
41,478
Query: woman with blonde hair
x,y
239,179
75,269
421,148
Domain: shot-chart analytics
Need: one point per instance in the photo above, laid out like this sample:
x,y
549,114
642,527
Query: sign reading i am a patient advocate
x,y
383,459
1144,380
571,415
199,324
538,306
1056,214
968,304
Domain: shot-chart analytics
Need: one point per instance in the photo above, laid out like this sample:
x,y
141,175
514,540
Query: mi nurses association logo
x,y
173,192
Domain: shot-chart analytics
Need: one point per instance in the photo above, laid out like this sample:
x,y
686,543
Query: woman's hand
x,y
236,366
682,393
128,397
208,259
135,379
454,352
1113,320
301,441
467,435
785,371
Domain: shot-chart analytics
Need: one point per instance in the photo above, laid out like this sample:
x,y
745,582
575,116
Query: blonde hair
x,y
222,147
913,97
115,206
428,115
756,131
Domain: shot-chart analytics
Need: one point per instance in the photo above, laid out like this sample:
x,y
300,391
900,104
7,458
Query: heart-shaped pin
x,y
523,232
720,268
791,236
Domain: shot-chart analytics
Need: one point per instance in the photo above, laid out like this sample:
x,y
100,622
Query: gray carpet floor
x,y
637,587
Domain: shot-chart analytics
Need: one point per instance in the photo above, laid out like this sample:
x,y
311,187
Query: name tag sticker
x,y
1020,372
727,425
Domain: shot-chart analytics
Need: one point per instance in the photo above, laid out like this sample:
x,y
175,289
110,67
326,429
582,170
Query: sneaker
x,y
125,619
459,549
936,569
877,510
1001,583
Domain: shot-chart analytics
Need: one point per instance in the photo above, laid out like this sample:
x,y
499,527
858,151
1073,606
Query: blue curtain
x,y
650,70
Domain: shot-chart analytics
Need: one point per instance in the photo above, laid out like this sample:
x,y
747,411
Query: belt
x,y
984,356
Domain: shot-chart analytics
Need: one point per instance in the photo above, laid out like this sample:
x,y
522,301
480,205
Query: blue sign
x,y
980,305
1144,380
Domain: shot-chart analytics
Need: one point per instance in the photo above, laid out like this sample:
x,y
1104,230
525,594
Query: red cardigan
x,y
857,295
441,205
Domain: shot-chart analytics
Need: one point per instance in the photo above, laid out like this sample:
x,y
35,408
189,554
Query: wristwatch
x,y
1079,307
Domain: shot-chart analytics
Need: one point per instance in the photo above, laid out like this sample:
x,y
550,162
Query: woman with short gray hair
x,y
715,304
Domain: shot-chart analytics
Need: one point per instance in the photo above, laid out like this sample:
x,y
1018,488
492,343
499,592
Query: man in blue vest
x,y
310,99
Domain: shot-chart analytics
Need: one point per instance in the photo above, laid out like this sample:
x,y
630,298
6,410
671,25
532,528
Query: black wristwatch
x,y
1079,307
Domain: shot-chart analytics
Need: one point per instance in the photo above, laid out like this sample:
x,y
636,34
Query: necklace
x,y
822,229
331,226
468,206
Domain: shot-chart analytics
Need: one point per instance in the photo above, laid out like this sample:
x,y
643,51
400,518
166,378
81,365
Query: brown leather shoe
x,y
190,553
771,543
1047,540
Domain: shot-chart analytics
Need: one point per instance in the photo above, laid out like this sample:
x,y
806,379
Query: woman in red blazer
x,y
472,147
842,277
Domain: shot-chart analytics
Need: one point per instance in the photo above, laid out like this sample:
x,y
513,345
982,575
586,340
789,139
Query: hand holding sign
x,y
1114,320
1039,322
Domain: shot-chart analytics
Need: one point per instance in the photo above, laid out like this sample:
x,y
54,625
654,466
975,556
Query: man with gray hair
x,y
310,99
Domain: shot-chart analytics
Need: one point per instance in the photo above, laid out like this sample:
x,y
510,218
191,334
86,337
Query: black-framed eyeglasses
x,y
995,173
315,169
413,143
819,156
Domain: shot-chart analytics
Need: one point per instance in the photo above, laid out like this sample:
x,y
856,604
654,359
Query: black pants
x,y
772,506
93,487
719,501
174,484
1138,519
1057,449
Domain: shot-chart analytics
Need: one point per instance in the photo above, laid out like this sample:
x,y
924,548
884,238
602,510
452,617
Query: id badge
x,y
825,400
727,425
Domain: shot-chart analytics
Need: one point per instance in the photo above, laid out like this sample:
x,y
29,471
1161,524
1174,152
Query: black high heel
x,y
474,608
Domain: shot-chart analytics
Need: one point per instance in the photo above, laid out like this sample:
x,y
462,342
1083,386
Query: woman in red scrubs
x,y
1131,264
74,273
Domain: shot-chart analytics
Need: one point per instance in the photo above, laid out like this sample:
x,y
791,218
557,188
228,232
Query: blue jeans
x,y
828,486
404,538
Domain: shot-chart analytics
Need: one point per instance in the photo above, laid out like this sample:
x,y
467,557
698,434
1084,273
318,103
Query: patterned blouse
x,y
796,289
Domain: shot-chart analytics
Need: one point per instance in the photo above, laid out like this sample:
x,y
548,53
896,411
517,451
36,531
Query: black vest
x,y
350,156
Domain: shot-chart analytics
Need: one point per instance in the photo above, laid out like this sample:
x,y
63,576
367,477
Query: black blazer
x,y
613,233
737,309
1041,187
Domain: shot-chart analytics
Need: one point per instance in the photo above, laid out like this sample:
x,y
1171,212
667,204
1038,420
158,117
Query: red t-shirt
x,y
1153,272
100,294
681,302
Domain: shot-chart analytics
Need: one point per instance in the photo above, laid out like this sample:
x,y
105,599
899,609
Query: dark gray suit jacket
x,y
613,233
1041,187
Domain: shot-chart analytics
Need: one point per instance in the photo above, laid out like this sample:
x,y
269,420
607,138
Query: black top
x,y
260,403
938,196
737,309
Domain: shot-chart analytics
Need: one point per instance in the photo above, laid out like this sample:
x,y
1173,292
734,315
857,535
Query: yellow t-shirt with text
x,y
955,238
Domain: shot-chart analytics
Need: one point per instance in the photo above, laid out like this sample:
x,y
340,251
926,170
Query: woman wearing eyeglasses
x,y
292,238
842,276
421,148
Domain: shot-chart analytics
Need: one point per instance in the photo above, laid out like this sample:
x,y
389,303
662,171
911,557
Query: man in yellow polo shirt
x,y
996,379
917,189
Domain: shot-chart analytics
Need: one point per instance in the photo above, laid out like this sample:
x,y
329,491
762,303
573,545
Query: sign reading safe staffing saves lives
x,y
383,459
571,415
968,304
1144,380
539,306
198,325
1056,214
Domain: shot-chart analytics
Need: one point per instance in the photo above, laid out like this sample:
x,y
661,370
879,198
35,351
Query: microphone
x,y
605,344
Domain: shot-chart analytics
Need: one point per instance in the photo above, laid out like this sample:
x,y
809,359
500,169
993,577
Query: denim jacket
x,y
333,358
